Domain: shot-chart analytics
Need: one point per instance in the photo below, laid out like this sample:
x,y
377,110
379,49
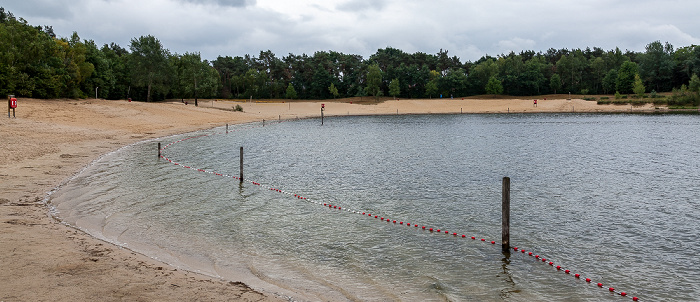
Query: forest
x,y
35,63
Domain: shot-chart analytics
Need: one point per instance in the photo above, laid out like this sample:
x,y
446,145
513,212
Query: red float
x,y
611,289
463,236
473,238
600,284
577,276
493,242
623,294
588,280
635,299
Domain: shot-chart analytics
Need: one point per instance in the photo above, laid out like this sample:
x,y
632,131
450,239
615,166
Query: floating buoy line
x,y
392,221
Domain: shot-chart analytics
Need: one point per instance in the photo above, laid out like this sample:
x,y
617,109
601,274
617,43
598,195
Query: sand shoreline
x,y
52,140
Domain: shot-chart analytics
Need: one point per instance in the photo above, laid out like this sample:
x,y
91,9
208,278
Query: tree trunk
x,y
148,95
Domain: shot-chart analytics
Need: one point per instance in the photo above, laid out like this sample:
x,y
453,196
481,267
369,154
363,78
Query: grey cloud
x,y
361,5
226,3
48,9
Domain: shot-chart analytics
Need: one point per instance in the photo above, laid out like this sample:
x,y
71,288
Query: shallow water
x,y
611,197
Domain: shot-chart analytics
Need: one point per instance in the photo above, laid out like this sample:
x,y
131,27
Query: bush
x,y
238,108
604,98
618,95
683,98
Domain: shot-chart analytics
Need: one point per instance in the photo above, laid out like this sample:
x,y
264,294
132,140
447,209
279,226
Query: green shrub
x,y
238,108
604,98
618,96
653,94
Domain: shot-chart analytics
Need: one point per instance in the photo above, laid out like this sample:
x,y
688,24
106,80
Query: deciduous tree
x,y
374,80
149,64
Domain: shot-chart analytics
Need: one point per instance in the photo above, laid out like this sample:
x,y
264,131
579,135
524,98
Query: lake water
x,y
613,198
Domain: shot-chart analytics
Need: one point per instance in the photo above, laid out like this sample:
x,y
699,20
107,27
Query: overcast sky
x,y
468,29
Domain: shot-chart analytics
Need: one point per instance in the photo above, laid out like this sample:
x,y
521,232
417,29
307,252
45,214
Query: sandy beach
x,y
51,140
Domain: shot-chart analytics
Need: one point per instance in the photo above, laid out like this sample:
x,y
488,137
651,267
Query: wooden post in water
x,y
241,174
158,149
226,128
505,219
323,108
263,122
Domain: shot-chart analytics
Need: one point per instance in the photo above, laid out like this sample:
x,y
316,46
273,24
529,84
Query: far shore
x,y
51,140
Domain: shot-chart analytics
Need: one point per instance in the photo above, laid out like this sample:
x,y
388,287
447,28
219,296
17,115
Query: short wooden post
x,y
505,219
241,174
158,149
263,122
226,128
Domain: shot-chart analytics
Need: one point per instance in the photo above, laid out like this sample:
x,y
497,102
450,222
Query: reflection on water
x,y
612,197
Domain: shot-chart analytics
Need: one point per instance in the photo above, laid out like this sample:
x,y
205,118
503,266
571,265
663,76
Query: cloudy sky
x,y
468,29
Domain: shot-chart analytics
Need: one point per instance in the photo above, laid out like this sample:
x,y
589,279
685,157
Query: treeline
x,y
36,63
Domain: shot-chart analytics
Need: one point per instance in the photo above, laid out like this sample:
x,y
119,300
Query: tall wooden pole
x,y
241,174
158,149
505,219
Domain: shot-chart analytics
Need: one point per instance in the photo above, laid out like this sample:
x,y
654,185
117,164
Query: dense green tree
x,y
291,92
150,66
494,86
333,90
570,68
555,82
394,87
117,57
480,75
656,66
638,86
610,81
694,84
102,80
29,62
431,88
230,71
625,77
195,78
374,80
